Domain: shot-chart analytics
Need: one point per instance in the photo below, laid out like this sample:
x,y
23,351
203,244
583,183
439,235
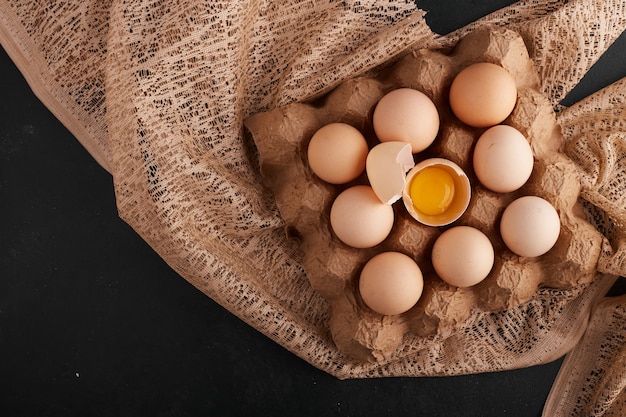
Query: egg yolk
x,y
432,191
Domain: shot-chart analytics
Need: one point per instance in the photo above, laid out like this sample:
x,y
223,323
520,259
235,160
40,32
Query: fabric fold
x,y
60,50
592,378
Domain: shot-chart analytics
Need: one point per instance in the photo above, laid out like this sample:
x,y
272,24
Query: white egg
x,y
503,159
530,226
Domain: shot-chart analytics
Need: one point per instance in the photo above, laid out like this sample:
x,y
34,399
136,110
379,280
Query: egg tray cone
x,y
281,136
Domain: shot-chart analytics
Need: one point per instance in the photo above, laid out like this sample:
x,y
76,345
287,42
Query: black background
x,y
94,323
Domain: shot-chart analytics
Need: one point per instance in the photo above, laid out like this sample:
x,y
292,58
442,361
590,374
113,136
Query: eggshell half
x,y
463,191
386,166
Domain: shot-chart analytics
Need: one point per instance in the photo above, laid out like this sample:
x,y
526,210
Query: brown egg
x,y
359,219
406,115
483,95
337,153
463,256
391,283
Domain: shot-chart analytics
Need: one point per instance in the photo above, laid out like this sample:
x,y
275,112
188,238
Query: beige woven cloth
x,y
157,92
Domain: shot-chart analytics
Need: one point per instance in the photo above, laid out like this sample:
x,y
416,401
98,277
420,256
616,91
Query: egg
x,y
359,219
530,226
406,115
462,256
437,192
391,283
337,152
483,94
503,159
386,165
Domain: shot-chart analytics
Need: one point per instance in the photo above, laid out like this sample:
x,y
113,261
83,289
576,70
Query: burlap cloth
x,y
157,92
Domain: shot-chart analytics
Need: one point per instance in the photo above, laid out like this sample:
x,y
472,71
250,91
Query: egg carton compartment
x,y
282,135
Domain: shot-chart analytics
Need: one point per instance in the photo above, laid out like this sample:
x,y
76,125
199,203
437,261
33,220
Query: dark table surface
x,y
94,323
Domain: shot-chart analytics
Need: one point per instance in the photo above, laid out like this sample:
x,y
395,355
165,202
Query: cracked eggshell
x,y
386,165
461,199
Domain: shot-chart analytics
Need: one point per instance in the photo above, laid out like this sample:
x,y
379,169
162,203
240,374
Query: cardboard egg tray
x,y
282,135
